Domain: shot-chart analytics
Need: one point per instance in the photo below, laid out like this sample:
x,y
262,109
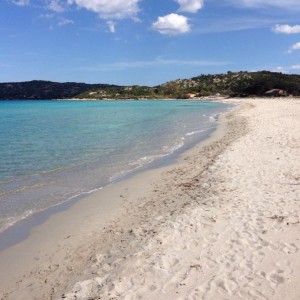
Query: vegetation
x,y
38,89
232,84
242,84
118,92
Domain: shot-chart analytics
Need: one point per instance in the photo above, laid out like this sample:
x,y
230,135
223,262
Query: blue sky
x,y
146,42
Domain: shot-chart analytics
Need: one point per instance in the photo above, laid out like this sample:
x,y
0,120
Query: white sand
x,y
222,223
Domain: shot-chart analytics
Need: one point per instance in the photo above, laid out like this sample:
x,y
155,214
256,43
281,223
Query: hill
x,y
122,92
39,89
232,84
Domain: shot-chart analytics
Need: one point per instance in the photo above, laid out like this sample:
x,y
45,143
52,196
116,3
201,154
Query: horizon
x,y
111,84
142,43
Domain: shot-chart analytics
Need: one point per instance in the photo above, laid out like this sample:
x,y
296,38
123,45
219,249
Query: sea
x,y
54,151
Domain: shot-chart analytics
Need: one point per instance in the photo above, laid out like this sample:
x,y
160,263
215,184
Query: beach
x,y
222,222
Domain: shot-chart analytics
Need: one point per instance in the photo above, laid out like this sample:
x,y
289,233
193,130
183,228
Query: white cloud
x,y
294,47
190,6
110,9
153,63
287,69
281,69
171,24
111,26
286,4
286,29
63,22
55,5
21,2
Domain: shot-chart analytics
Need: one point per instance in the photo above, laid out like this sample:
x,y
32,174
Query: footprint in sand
x,y
275,277
290,248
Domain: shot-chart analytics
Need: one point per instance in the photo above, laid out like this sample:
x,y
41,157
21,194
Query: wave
x,y
146,160
5,223
195,132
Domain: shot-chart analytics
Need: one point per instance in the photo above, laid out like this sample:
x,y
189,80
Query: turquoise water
x,y
52,151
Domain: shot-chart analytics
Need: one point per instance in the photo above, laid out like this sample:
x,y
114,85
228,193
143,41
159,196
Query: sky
x,y
145,42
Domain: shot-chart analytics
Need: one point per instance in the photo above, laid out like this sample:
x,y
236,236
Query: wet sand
x,y
220,223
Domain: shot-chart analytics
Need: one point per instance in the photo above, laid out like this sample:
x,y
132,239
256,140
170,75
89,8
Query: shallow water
x,y
52,151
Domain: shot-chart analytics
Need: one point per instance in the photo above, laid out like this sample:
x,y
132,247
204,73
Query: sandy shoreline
x,y
221,223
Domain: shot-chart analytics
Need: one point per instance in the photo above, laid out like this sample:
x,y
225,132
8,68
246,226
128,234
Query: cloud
x,y
285,4
110,9
153,63
63,22
21,2
171,24
111,26
287,69
229,24
287,29
55,5
281,69
294,47
190,6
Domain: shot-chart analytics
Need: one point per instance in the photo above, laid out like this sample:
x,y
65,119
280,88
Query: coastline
x,y
17,226
154,226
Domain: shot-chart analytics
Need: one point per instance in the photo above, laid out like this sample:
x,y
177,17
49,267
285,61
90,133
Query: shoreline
x,y
19,229
164,228
48,222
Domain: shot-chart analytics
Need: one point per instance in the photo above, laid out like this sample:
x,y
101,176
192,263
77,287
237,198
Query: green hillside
x,y
43,90
232,84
